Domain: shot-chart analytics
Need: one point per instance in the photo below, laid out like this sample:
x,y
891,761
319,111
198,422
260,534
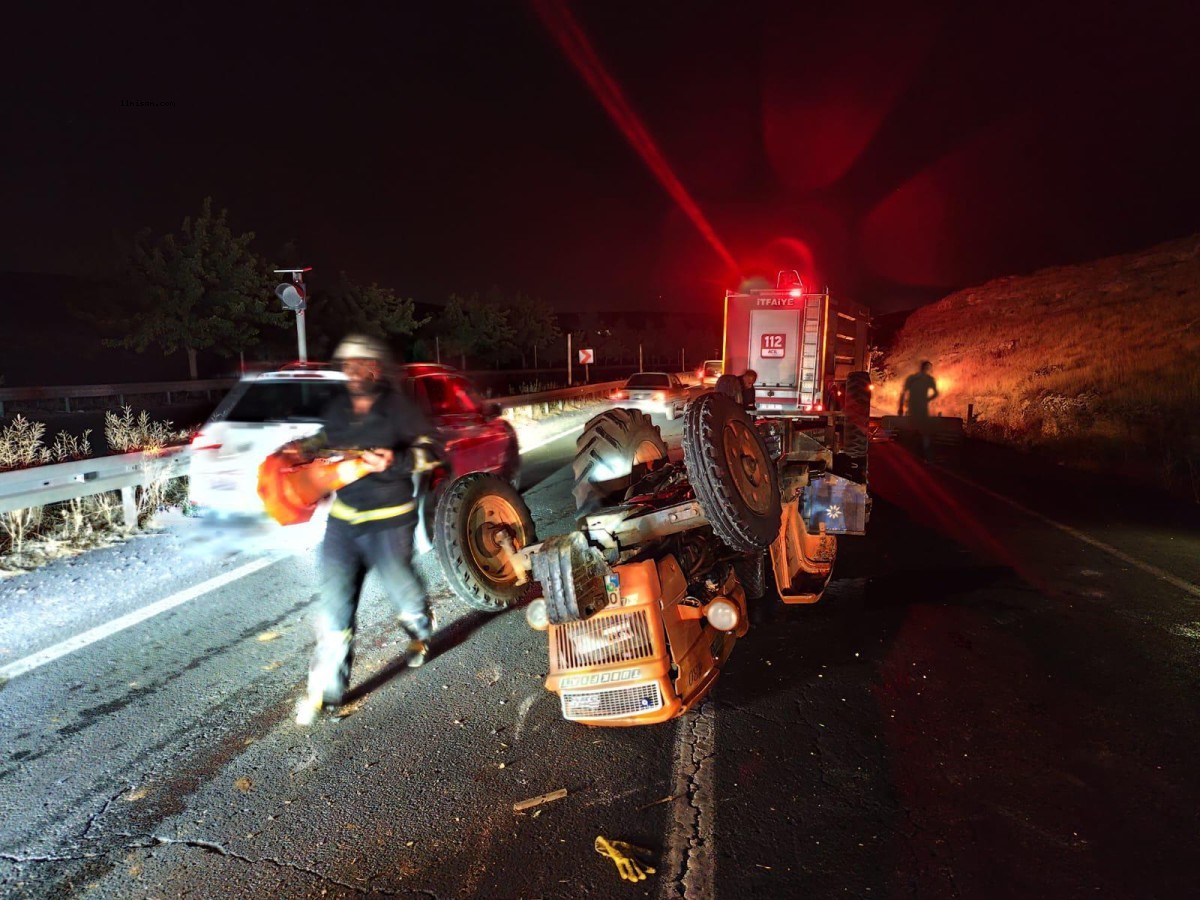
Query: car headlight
x,y
722,614
536,615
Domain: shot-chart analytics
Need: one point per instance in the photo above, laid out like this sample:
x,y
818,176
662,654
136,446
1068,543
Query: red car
x,y
476,437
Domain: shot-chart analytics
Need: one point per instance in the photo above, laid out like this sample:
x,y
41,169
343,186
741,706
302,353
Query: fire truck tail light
x,y
796,292
820,407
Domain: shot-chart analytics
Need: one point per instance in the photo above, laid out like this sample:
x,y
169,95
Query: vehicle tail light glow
x,y
619,395
659,396
202,442
820,407
796,292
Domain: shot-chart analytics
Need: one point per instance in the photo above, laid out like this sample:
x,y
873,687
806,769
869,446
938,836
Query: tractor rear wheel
x,y
732,472
611,445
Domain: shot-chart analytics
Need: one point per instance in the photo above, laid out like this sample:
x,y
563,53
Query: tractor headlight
x,y
536,616
722,614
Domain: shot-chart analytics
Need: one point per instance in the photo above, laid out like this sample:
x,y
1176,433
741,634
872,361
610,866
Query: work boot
x,y
328,675
420,626
417,651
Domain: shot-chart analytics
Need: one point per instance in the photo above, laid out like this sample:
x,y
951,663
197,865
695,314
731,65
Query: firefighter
x,y
371,521
920,388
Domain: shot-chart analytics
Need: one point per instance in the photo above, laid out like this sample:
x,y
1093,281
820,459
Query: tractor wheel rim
x,y
748,467
488,517
646,452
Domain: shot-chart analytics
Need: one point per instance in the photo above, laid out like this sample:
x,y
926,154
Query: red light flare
x,y
783,254
825,105
578,49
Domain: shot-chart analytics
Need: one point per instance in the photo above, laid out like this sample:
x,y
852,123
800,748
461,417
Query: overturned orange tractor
x,y
643,603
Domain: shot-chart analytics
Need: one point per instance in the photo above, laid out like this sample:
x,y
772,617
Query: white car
x,y
653,392
261,414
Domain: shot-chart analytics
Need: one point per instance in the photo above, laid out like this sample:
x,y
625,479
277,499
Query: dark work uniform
x,y
370,527
920,388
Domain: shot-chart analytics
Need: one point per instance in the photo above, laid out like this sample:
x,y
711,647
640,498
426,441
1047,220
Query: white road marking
x,y
690,855
551,440
1173,580
522,712
29,663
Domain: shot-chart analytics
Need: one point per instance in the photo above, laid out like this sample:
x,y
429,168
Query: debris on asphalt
x,y
268,636
539,800
658,802
625,858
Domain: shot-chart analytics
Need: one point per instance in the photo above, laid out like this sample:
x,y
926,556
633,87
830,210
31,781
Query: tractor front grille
x,y
603,640
613,702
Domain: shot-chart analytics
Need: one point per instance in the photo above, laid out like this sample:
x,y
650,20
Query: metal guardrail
x,y
68,392
125,472
42,485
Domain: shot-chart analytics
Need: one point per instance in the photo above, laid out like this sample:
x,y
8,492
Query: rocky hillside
x,y
1098,364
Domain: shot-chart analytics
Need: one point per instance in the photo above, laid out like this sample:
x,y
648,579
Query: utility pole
x,y
569,382
437,348
295,297
641,368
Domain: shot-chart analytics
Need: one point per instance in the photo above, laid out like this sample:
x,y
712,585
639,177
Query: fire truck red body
x,y
801,344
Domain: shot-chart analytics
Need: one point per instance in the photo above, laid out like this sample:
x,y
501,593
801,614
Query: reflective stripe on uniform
x,y
347,513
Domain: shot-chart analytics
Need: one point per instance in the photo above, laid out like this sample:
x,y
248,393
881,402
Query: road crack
x,y
690,854
221,850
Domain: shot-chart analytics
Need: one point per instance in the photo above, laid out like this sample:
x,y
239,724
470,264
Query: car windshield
x,y
648,380
280,401
449,396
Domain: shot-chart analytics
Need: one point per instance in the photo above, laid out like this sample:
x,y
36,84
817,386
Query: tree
x,y
474,327
624,341
200,289
535,324
350,307
592,333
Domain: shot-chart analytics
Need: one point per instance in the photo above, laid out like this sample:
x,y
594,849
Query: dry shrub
x,y
31,537
1098,364
126,434
21,445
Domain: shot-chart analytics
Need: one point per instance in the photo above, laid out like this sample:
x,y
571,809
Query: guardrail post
x,y
129,506
67,403
168,398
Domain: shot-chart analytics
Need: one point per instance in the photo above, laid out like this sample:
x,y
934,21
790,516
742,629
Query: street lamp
x,y
294,296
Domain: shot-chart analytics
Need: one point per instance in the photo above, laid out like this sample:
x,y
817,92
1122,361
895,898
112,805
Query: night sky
x,y
893,154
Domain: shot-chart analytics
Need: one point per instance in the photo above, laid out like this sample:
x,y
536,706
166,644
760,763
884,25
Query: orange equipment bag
x,y
290,491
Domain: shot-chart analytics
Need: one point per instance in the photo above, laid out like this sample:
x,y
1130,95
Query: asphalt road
x,y
997,697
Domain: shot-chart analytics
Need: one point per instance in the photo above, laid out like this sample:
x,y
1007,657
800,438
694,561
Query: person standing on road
x,y
749,401
920,389
371,521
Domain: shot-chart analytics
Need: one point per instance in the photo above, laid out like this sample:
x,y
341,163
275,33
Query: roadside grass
x,y
34,536
1099,364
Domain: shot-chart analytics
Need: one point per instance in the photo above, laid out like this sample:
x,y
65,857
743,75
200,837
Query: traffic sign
x,y
587,357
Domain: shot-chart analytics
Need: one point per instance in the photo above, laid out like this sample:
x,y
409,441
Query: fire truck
x,y
803,345
643,602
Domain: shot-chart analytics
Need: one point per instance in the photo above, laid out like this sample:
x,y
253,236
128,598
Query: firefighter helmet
x,y
362,346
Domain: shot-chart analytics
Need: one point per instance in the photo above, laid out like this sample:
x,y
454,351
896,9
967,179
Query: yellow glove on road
x,y
629,867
